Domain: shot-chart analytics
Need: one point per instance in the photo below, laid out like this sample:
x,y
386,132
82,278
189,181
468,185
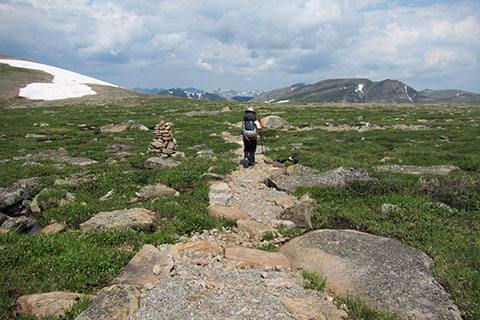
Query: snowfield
x,y
65,84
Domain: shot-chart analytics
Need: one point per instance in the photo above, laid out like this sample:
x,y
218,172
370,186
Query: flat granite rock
x,y
254,257
308,177
119,219
149,265
383,271
443,169
50,304
159,162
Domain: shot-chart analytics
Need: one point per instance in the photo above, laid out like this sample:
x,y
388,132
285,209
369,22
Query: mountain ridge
x,y
358,90
39,82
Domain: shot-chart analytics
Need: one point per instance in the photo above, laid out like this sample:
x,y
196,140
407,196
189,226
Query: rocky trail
x,y
221,274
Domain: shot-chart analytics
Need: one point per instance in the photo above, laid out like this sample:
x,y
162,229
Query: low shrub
x,y
462,193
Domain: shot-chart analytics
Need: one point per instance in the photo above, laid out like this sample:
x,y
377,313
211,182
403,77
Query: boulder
x,y
117,302
137,218
51,304
256,258
149,265
382,271
443,169
158,162
275,122
17,224
15,194
11,196
300,212
156,190
335,177
227,213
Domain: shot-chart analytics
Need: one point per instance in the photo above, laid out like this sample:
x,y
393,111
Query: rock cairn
x,y
163,141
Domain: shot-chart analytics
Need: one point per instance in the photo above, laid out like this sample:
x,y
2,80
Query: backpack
x,y
249,129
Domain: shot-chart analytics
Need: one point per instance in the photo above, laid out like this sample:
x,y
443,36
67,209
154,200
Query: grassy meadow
x,y
441,218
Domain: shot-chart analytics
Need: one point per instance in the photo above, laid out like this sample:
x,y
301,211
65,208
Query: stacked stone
x,y
163,141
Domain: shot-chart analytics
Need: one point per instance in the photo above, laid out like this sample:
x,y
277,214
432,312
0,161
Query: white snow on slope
x,y
65,84
359,88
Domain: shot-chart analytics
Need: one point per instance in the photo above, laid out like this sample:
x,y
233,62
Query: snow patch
x,y
66,84
406,92
360,88
283,101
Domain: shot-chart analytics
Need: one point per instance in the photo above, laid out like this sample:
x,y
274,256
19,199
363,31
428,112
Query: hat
x,y
250,109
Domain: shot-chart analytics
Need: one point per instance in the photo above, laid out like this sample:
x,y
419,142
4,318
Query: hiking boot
x,y
244,162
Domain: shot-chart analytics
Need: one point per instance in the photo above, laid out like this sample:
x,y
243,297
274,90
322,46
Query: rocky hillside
x,y
364,90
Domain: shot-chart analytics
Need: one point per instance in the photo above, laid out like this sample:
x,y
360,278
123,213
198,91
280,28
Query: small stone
x,y
148,286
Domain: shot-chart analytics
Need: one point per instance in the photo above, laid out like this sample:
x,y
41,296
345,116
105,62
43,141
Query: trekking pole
x,y
262,141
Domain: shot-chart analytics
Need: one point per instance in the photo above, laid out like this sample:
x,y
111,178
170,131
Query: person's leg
x,y
246,153
253,148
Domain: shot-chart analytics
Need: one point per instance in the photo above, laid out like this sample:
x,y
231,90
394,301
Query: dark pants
x,y
249,148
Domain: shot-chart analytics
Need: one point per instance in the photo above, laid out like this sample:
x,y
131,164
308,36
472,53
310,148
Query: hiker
x,y
250,126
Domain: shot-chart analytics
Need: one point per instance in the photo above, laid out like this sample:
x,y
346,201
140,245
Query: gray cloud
x,y
268,42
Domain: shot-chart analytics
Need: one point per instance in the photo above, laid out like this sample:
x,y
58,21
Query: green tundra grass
x,y
441,219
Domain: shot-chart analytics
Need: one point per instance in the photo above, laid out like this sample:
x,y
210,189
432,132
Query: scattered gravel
x,y
204,286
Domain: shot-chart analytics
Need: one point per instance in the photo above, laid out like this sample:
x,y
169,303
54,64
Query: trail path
x,y
217,276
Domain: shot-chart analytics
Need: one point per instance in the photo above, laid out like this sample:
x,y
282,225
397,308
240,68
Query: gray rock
x,y
79,161
117,147
137,218
136,125
35,135
275,122
383,271
117,302
11,196
111,127
2,218
17,224
335,177
388,207
300,212
219,198
156,190
14,195
443,169
298,169
157,162
50,153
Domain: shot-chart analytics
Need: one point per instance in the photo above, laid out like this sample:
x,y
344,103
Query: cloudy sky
x,y
249,44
